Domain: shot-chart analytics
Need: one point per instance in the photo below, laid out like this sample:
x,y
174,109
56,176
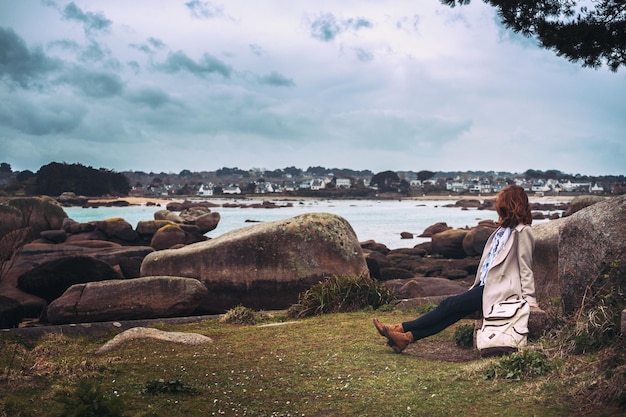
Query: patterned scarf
x,y
498,242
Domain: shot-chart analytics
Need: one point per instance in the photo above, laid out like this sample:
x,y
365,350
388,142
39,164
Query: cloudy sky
x,y
154,85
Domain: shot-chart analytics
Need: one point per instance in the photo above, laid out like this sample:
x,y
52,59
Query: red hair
x,y
512,207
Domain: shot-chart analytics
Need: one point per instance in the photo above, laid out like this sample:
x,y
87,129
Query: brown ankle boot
x,y
398,341
392,327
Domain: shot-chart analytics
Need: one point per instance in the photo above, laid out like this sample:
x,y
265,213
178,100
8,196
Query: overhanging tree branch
x,y
592,32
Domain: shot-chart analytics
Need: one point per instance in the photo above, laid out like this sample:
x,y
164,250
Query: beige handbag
x,y
504,329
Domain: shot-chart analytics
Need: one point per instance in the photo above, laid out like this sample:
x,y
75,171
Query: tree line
x,y
56,178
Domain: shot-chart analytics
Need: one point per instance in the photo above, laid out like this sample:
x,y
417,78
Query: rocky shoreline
x,y
265,268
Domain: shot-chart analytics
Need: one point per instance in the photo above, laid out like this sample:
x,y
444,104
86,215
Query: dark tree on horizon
x,y
386,181
56,178
425,175
590,33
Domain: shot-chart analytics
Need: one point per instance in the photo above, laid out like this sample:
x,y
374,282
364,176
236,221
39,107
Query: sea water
x,y
382,221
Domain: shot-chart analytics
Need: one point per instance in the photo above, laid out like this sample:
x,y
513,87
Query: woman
x,y
505,269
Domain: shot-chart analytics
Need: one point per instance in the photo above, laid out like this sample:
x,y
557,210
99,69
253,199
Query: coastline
x,y
164,201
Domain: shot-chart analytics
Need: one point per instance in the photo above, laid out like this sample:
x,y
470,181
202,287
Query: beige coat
x,y
511,272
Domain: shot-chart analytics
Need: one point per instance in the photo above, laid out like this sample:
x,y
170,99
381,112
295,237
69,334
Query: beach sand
x,y
137,200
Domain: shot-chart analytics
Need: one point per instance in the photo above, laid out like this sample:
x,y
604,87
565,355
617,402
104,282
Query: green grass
x,y
329,365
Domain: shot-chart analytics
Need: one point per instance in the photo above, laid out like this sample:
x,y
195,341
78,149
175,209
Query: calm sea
x,y
382,221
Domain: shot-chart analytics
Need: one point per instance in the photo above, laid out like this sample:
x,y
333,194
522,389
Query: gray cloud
x,y
179,61
277,80
94,52
156,43
256,49
150,47
453,90
409,23
327,27
149,96
65,44
134,66
92,22
143,47
398,130
363,54
204,9
93,83
20,65
43,117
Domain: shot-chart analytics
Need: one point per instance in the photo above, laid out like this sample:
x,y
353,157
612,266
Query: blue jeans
x,y
448,312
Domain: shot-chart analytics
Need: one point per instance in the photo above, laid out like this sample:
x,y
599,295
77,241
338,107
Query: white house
x,y
317,184
415,183
264,188
343,183
205,190
232,189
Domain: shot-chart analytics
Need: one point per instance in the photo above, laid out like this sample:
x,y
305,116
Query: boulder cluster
x,y
54,270
58,271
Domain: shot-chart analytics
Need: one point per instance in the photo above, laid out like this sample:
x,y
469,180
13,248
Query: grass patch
x,y
327,365
524,364
342,293
464,336
240,315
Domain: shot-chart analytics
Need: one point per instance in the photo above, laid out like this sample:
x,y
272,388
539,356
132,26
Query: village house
x,y
205,190
343,183
317,184
231,189
265,188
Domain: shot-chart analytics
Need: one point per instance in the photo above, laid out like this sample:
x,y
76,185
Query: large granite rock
x,y
424,287
10,219
39,213
265,266
34,254
546,260
418,262
476,238
590,241
117,229
434,229
150,227
135,333
168,236
449,243
50,279
207,222
32,306
11,313
24,219
132,299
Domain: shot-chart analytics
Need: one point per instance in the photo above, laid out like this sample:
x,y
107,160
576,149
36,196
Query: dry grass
x,y
329,365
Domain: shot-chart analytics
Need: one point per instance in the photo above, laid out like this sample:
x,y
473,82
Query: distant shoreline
x,y
165,201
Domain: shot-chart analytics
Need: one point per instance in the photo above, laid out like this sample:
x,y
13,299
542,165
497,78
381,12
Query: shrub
x,y
239,315
597,323
596,329
87,400
11,408
464,336
519,365
386,308
341,294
